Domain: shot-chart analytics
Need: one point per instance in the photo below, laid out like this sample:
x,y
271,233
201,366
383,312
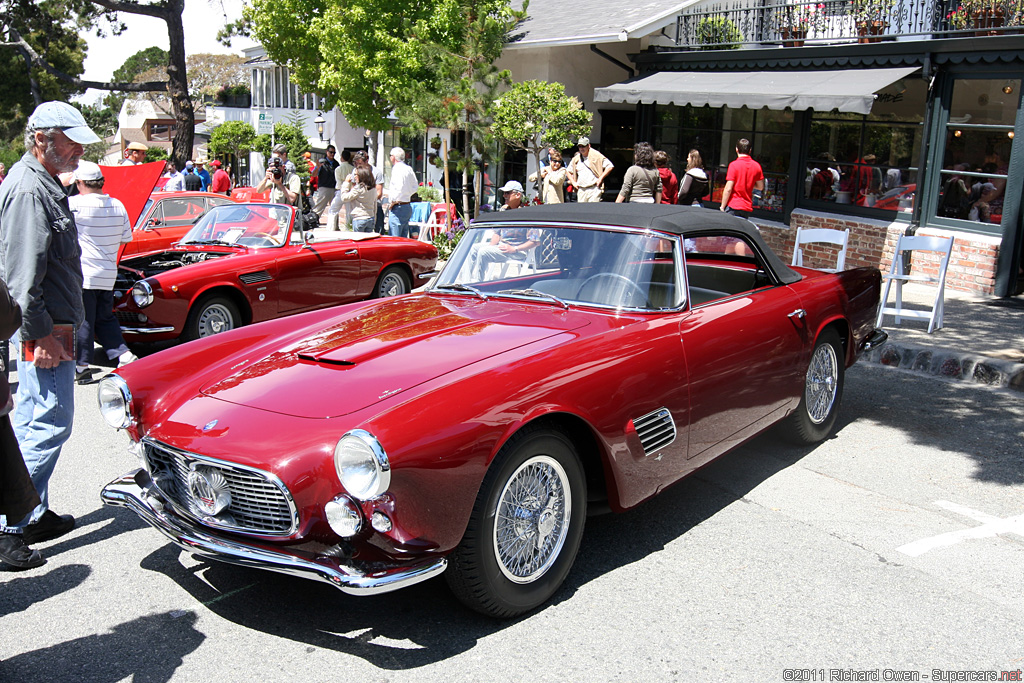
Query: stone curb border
x,y
950,365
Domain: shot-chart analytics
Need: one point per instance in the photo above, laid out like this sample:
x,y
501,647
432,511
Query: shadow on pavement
x,y
126,652
23,592
424,624
950,417
118,522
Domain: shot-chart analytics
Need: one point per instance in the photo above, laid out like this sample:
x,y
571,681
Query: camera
x,y
275,167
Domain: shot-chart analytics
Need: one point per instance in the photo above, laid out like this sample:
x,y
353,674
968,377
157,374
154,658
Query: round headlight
x,y
344,517
362,465
115,401
142,294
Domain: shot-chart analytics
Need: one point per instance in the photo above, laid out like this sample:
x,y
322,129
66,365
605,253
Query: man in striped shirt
x,y
103,227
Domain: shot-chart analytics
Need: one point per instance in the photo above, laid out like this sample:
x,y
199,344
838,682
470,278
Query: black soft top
x,y
688,221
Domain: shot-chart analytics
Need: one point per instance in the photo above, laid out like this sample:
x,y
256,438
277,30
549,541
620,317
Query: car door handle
x,y
351,252
798,313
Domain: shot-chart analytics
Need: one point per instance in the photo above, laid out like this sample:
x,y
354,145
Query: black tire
x,y
392,282
815,417
211,315
534,461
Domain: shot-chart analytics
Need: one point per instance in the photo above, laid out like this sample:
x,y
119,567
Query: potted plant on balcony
x,y
803,20
985,15
871,18
718,33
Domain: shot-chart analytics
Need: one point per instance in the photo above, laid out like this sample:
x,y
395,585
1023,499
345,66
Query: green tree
x,y
139,63
288,133
233,138
459,43
31,27
535,115
16,24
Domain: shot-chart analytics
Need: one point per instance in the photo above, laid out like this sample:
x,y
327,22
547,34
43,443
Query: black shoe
x,y
50,526
84,376
15,552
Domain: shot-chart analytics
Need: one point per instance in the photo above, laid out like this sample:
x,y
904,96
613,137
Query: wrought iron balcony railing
x,y
739,24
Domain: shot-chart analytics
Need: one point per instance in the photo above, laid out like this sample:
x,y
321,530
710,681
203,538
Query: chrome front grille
x,y
656,430
260,503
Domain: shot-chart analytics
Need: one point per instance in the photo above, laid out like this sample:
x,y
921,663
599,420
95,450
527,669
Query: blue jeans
x,y
363,224
99,323
398,220
43,413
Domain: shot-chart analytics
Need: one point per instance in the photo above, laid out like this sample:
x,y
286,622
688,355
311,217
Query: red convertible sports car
x,y
568,357
243,263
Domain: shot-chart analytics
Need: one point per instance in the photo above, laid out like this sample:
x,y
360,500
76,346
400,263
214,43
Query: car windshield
x,y
247,225
567,265
145,211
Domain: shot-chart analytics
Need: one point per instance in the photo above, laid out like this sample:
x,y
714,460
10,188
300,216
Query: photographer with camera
x,y
285,186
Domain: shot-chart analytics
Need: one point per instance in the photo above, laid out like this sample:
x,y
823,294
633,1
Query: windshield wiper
x,y
217,242
459,287
537,294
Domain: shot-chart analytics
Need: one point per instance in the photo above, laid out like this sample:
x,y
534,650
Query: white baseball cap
x,y
87,170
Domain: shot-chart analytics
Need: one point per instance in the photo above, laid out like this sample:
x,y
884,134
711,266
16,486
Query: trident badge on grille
x,y
209,489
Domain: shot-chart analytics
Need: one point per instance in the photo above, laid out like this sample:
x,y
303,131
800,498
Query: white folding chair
x,y
841,238
906,243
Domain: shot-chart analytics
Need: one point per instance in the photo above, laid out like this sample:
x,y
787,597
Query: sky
x,y
202,19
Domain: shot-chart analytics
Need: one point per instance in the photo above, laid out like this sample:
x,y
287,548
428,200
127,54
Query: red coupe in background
x,y
244,263
567,356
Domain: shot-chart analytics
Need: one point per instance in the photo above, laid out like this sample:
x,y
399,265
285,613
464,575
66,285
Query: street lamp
x,y
320,121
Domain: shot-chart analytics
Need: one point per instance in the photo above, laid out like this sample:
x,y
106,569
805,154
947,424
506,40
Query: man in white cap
x,y
41,262
587,171
193,183
103,226
512,192
509,244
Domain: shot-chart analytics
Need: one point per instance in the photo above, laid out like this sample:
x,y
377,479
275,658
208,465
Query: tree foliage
x,y
291,135
207,73
54,17
48,27
139,63
232,138
535,115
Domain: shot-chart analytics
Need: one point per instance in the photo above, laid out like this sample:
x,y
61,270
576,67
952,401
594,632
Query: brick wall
x,y
972,266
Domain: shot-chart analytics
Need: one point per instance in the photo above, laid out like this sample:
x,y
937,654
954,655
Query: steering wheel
x,y
624,284
267,239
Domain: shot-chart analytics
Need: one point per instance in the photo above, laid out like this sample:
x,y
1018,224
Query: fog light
x,y
344,517
380,522
143,318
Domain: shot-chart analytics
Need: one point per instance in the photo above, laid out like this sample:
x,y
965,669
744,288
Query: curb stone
x,y
950,365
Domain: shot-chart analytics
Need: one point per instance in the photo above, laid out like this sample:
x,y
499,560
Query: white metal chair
x,y
906,243
841,238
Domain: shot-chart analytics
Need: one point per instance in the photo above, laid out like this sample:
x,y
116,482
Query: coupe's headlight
x,y
115,401
142,294
362,465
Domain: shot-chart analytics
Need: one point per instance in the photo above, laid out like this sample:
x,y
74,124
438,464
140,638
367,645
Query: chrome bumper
x,y
136,492
146,330
875,339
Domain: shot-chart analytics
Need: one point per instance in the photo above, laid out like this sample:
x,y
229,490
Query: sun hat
x,y
512,186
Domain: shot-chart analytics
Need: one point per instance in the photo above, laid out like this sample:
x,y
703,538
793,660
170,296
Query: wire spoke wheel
x,y
822,383
532,519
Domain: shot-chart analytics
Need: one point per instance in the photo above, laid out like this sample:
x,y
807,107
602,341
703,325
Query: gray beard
x,y
54,161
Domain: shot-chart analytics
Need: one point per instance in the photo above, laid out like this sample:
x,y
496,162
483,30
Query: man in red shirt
x,y
743,177
221,183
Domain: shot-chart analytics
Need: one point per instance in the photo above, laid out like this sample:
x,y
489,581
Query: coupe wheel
x,y
525,529
212,315
815,417
392,282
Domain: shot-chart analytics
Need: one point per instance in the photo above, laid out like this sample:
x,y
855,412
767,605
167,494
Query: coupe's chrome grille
x,y
127,317
656,430
260,504
253,278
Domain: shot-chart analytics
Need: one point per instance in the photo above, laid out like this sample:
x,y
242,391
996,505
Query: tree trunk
x,y
467,160
177,86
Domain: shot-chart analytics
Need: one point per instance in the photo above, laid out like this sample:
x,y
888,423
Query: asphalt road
x,y
895,548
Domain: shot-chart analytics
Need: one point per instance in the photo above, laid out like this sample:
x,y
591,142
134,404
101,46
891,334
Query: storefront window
x,y
868,161
715,132
978,140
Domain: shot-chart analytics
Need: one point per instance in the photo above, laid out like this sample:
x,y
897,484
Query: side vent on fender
x,y
656,430
253,278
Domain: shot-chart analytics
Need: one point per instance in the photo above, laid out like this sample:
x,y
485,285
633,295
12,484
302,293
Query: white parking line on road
x,y
990,526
